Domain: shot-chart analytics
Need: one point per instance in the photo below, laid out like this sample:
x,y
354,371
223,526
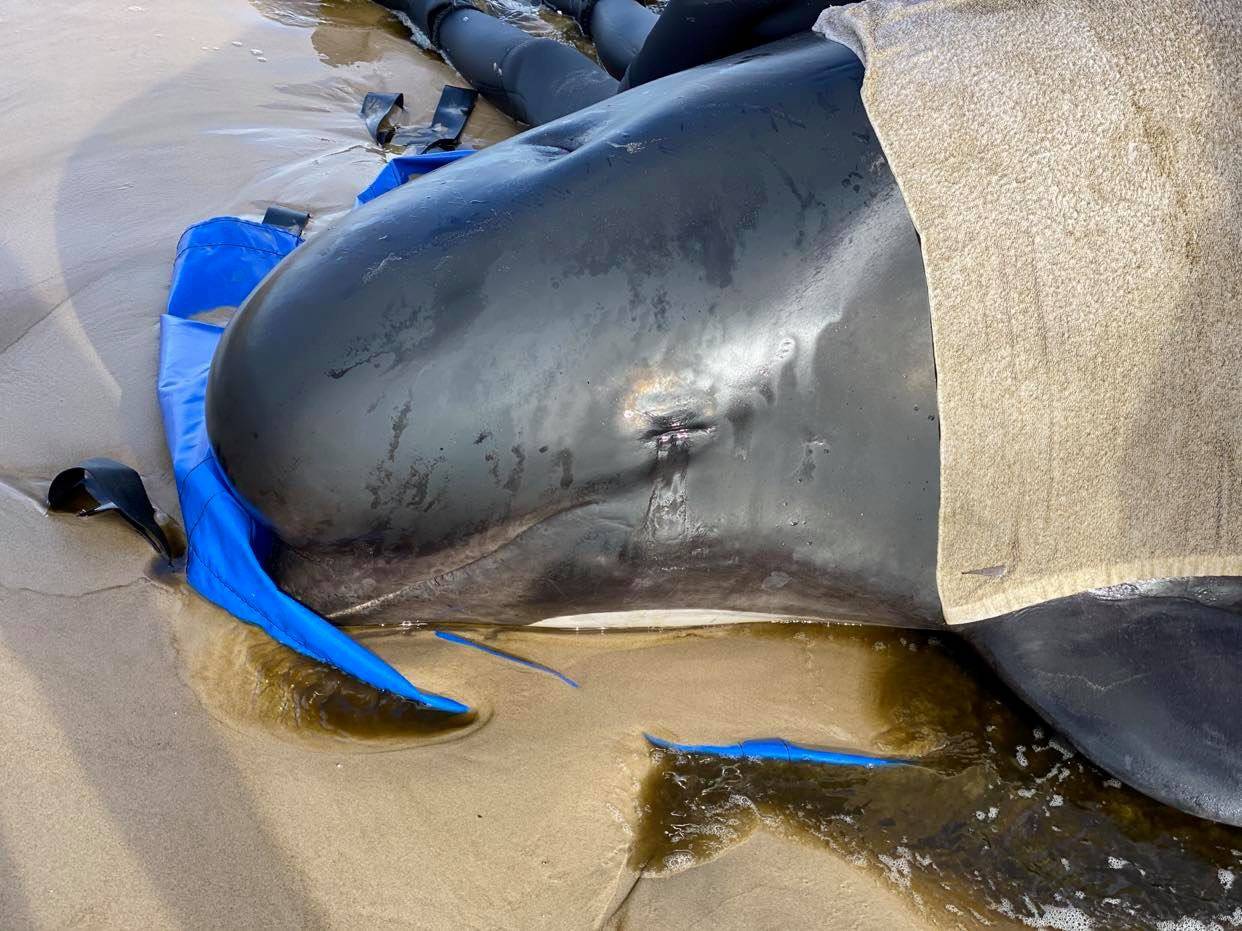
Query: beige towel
x,y
1074,168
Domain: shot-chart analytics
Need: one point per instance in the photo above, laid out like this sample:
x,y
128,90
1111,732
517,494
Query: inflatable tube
x,y
532,79
617,27
693,32
538,79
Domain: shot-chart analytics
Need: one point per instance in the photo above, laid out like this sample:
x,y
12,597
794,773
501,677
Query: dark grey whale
x,y
622,359
671,352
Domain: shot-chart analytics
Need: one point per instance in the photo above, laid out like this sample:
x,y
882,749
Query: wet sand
x,y
166,766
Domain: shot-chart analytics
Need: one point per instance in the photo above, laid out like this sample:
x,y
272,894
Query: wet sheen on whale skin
x,y
672,351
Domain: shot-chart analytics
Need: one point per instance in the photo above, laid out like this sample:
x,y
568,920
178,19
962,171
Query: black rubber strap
x,y
447,123
286,218
376,110
99,485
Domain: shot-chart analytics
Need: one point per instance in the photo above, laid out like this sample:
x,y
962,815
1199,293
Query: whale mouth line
x,y
469,556
673,618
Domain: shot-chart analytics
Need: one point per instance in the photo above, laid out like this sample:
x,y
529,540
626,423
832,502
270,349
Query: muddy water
x,y
534,18
297,698
998,822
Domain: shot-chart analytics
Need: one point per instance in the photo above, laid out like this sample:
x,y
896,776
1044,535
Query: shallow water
x,y
256,685
530,15
297,695
999,821
996,822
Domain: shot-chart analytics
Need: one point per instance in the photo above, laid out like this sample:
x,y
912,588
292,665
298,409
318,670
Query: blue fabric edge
x,y
507,657
219,262
774,748
401,169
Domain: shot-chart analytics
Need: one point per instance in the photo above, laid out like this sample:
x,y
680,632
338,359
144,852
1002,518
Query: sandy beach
x,y
167,766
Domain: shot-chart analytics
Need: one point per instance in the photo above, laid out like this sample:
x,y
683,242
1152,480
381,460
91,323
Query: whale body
x,y
672,351
666,357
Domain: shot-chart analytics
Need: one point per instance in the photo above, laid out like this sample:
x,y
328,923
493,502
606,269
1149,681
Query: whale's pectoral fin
x,y
1145,679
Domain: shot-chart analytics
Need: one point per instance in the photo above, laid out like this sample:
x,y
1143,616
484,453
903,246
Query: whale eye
x,y
684,424
664,406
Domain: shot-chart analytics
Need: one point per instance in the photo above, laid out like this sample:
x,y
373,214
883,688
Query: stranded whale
x,y
671,351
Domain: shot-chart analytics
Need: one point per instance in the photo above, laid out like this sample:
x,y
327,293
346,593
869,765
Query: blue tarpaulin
x,y
404,167
219,262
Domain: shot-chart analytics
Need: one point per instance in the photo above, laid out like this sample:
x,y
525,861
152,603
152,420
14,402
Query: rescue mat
x,y
218,263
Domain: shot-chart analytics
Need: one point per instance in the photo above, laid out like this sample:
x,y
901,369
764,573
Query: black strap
x,y
447,123
376,110
99,485
286,218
